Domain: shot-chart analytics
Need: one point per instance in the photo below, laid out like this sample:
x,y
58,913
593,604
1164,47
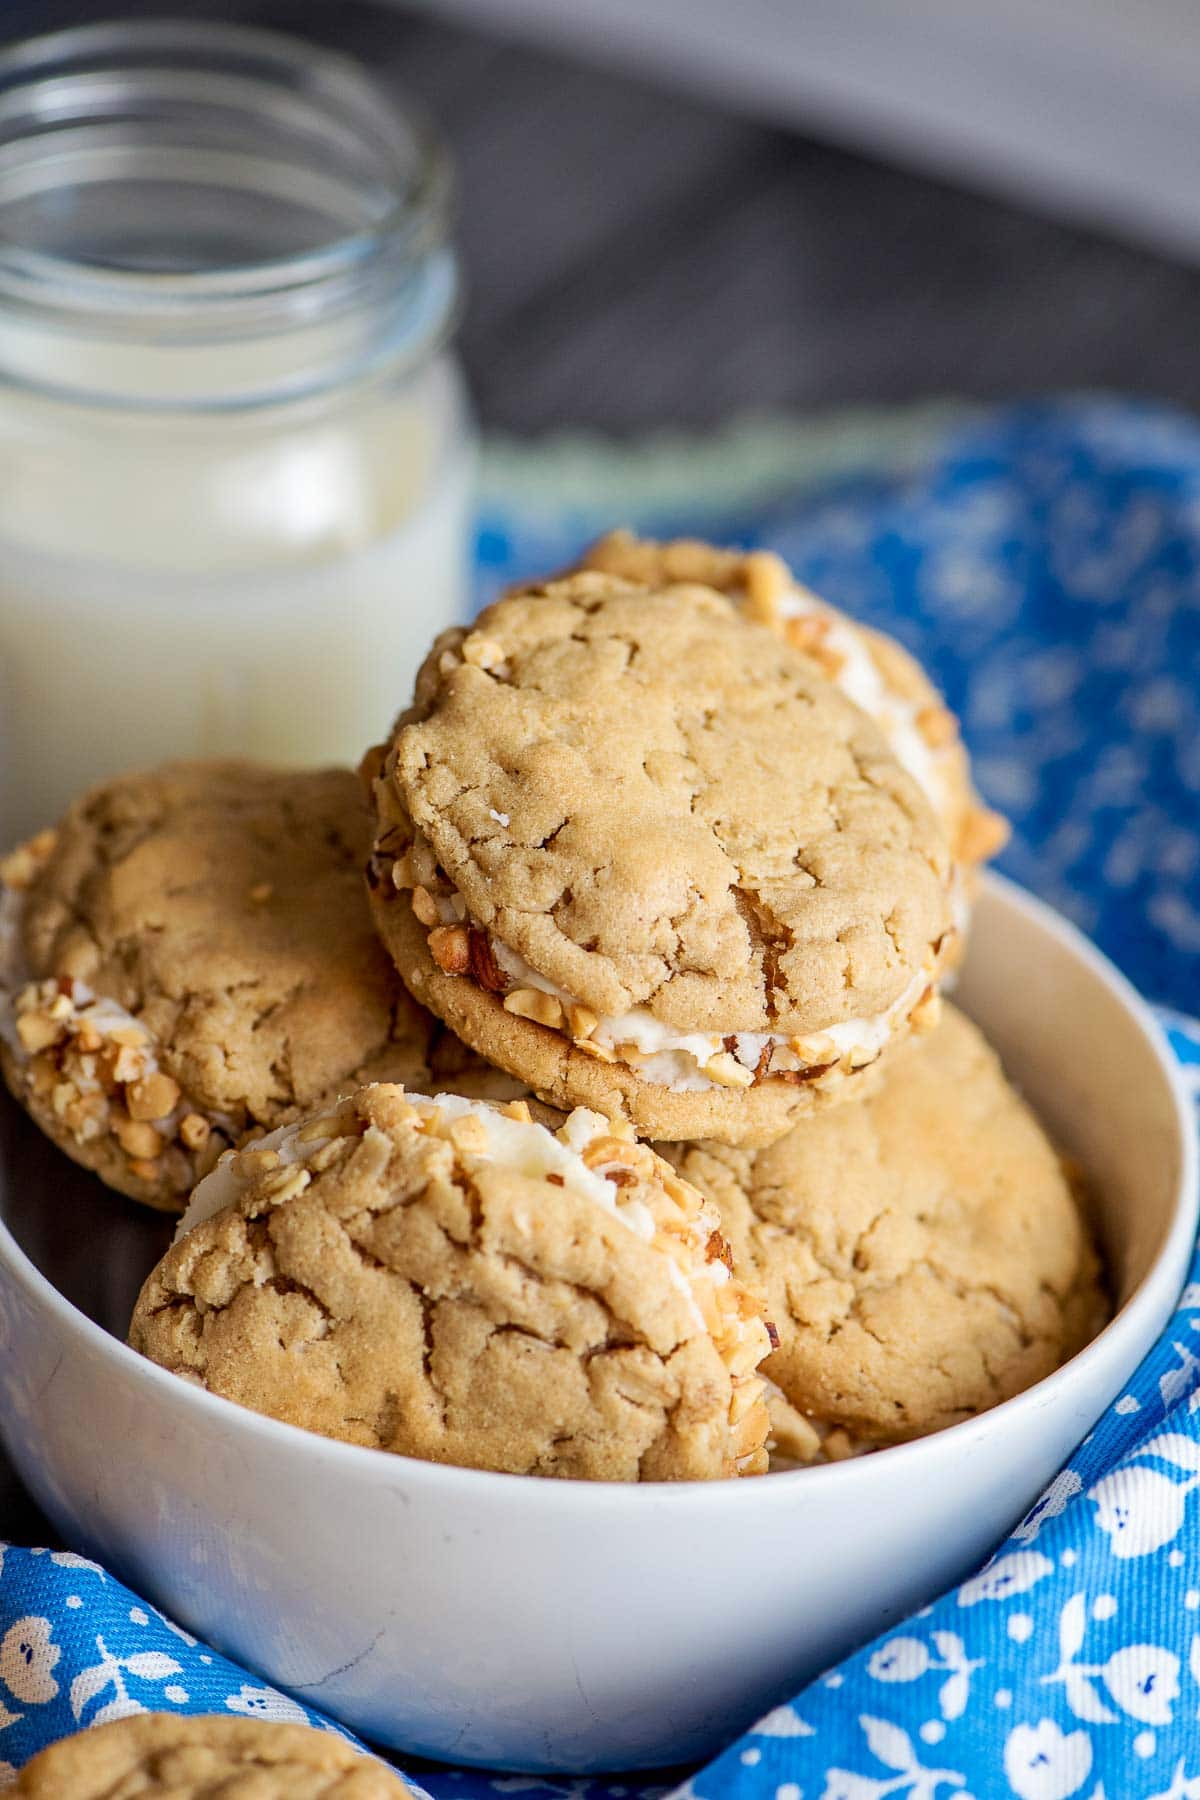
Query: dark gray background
x,y
635,259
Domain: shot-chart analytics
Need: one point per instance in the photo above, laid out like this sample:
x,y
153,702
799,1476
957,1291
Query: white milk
x,y
235,453
162,596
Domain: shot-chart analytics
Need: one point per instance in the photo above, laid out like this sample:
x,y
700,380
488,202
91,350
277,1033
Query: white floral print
x,y
1044,1763
28,1659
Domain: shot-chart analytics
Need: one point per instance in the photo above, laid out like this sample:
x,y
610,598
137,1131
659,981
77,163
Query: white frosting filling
x,y
91,1011
860,680
677,1059
519,1144
103,1015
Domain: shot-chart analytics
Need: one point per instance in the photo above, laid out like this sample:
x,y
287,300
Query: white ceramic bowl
x,y
547,1625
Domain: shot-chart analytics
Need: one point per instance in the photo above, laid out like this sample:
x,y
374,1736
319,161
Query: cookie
x,y
643,856
162,1756
450,1280
189,957
873,669
923,1252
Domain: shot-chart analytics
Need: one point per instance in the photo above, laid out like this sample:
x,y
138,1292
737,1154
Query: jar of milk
x,y
235,450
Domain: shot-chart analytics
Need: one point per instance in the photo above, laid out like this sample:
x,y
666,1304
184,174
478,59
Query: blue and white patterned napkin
x,y
1044,561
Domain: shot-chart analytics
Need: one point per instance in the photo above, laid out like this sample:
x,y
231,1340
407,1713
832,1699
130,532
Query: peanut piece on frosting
x,y
424,905
927,1012
531,1003
727,1071
937,725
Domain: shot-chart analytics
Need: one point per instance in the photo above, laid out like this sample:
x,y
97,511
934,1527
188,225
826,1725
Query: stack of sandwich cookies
x,y
644,856
614,1127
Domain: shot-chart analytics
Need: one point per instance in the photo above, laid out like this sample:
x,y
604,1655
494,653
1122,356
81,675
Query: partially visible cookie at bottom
x,y
447,1279
163,1756
925,1254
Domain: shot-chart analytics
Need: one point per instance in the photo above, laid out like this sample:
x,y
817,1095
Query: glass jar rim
x,y
156,100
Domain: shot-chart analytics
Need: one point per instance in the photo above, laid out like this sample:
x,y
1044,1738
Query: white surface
x,y
1085,107
554,1625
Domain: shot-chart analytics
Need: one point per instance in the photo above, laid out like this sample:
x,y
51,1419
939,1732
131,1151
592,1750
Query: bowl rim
x,y
1169,1268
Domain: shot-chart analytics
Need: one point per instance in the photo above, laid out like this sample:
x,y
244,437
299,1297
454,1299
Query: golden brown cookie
x,y
875,671
447,1279
161,1756
187,957
923,1252
643,856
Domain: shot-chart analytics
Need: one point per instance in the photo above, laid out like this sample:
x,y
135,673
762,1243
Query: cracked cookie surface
x,y
189,956
645,857
163,1756
923,1253
871,667
446,1279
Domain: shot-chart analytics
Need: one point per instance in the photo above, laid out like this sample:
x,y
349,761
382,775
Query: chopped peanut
x,y
766,578
583,1021
604,1150
483,652
248,1163
468,1134
136,1138
285,1184
981,835
937,725
807,632
194,1131
727,1071
37,1031
450,948
531,1003
404,875
327,1125
153,1097
926,1013
329,1153
129,1064
424,906
133,1035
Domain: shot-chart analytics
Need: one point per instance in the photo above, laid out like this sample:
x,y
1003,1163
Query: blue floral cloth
x,y
1044,561
78,1649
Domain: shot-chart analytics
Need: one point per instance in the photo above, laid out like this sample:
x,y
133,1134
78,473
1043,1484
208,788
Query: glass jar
x,y
236,455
